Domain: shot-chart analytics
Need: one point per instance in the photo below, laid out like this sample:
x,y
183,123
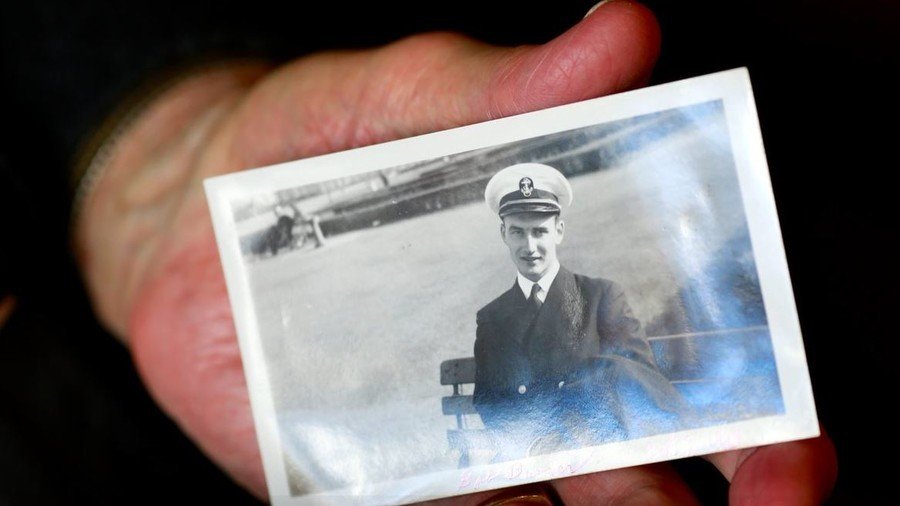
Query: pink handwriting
x,y
519,472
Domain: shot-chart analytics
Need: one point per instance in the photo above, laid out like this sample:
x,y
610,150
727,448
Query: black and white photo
x,y
582,288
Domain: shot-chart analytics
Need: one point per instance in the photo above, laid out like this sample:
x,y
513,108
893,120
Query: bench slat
x,y
458,371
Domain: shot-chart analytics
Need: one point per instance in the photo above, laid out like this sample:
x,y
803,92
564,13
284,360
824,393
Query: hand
x,y
146,246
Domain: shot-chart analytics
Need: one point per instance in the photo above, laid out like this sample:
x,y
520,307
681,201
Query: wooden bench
x,y
460,372
691,362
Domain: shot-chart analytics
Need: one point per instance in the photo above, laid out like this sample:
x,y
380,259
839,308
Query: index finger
x,y
796,472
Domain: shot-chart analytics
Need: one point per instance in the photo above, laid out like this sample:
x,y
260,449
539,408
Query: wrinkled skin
x,y
146,247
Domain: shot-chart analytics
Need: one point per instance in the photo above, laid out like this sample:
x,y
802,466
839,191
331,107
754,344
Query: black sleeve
x,y
624,334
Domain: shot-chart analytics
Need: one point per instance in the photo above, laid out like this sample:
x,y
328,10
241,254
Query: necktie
x,y
534,301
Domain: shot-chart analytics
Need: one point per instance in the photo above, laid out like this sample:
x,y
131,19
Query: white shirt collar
x,y
545,282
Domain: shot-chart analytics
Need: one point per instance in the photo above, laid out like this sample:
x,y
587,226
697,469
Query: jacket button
x,y
561,384
522,389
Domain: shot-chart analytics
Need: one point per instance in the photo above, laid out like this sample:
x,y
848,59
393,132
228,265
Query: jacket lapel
x,y
561,318
514,314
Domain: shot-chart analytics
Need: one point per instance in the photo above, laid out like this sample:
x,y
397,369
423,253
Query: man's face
x,y
532,239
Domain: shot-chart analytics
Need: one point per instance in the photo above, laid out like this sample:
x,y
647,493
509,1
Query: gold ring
x,y
537,494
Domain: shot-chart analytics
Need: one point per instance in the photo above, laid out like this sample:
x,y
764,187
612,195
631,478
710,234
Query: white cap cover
x,y
528,188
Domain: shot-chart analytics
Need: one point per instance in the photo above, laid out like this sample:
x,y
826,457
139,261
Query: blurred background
x,y
77,426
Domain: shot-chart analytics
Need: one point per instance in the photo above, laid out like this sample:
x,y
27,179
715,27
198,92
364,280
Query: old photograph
x,y
590,296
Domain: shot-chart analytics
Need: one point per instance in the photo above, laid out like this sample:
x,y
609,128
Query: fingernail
x,y
596,6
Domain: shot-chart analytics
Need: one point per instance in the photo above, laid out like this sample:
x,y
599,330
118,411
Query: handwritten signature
x,y
517,471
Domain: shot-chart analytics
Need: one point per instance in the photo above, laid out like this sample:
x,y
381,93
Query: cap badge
x,y
526,186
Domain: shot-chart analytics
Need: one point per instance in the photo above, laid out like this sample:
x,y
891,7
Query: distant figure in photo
x,y
561,361
291,230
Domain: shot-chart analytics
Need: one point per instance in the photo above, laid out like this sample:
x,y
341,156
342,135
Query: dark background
x,y
77,426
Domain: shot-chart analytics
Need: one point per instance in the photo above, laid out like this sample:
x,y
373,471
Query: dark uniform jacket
x,y
582,353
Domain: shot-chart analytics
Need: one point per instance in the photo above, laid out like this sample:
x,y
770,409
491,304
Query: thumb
x,y
339,100
611,50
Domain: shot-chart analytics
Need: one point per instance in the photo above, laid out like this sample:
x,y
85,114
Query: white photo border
x,y
733,88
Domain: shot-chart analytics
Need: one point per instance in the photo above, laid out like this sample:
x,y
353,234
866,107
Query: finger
x,y
656,484
611,50
797,472
185,348
533,494
7,305
431,82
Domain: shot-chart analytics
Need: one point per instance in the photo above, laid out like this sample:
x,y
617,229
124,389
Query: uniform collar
x,y
545,282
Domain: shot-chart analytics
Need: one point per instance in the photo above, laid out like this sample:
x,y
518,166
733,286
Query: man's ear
x,y
502,230
560,230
